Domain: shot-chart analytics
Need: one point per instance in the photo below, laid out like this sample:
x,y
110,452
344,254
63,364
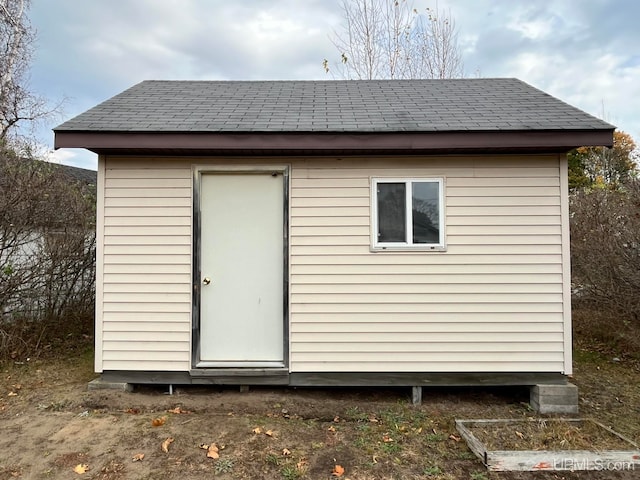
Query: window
x,y
407,213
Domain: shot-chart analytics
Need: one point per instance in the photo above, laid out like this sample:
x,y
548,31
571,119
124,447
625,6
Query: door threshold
x,y
239,372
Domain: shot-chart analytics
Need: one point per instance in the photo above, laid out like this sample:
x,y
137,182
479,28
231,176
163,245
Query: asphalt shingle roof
x,y
484,104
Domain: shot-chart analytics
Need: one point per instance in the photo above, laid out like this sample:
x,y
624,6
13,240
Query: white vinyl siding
x,y
493,302
145,302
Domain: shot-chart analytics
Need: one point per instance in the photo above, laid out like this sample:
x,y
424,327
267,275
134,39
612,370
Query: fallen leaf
x,y
132,411
375,459
257,430
336,419
12,394
158,422
332,429
178,410
204,446
373,419
212,451
269,433
286,452
138,456
81,468
166,443
454,437
338,471
386,438
301,466
520,435
419,430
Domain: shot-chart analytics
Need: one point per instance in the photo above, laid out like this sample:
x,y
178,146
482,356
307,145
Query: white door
x,y
241,264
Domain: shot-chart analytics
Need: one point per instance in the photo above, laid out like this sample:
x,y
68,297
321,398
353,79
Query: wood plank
x,y
424,341
541,460
435,379
147,202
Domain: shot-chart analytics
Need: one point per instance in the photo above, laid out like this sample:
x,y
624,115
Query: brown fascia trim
x,y
264,141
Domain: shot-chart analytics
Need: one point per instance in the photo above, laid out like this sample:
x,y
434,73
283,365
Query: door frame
x,y
197,172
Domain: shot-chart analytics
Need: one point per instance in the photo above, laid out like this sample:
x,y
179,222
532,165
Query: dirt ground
x,y
50,425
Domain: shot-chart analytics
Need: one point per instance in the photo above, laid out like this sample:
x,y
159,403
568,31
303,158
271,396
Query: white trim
x,y
376,246
566,264
99,307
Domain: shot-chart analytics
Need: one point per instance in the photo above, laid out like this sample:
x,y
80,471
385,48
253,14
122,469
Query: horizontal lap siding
x,y
492,302
146,297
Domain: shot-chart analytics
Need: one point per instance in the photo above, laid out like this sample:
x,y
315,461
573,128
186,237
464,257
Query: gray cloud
x,y
583,52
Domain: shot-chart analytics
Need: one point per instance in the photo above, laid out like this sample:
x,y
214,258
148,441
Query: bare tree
x,y
17,37
47,254
392,39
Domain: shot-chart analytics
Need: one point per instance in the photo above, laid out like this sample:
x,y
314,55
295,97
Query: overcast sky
x,y
585,52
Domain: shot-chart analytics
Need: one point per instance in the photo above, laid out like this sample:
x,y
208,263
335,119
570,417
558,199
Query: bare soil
x,y
50,424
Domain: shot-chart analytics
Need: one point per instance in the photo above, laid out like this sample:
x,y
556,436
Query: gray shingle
x,y
333,106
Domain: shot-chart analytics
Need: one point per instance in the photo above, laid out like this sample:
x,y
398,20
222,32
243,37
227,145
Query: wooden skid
x,y
552,460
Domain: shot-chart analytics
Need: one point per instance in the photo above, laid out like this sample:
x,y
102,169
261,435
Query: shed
x,y
385,232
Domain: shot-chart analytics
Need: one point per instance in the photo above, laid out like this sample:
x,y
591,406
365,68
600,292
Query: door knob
x,y
206,280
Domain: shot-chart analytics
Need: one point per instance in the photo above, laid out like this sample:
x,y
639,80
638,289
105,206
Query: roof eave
x,y
459,141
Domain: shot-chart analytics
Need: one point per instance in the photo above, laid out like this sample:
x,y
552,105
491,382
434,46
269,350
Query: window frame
x,y
408,244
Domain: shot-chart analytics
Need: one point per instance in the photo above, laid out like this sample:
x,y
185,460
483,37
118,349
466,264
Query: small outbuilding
x,y
391,232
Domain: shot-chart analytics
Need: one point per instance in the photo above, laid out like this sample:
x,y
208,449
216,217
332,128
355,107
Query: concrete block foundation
x,y
554,398
101,384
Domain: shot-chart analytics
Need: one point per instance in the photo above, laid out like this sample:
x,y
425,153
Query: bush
x,y
47,255
605,254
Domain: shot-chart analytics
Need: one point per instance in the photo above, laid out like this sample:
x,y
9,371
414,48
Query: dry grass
x,y
373,434
548,434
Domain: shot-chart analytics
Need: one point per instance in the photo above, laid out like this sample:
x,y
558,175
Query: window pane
x,y
391,212
426,212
